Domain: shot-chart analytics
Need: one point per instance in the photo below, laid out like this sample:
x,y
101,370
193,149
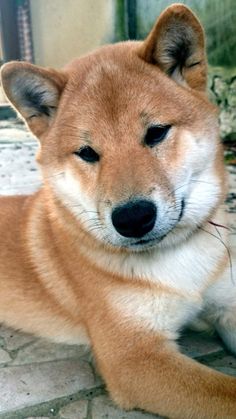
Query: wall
x,y
63,29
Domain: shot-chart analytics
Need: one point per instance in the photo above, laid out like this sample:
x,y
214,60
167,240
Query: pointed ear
x,y
34,92
177,45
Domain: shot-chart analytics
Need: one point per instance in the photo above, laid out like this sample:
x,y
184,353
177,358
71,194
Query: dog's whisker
x,y
187,184
227,250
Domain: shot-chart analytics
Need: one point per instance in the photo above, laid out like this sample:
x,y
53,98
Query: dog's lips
x,y
144,241
144,244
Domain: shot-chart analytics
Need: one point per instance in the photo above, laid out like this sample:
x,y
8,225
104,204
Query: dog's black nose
x,y
135,218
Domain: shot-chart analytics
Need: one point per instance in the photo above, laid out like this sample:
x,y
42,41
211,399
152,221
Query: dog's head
x,y
129,141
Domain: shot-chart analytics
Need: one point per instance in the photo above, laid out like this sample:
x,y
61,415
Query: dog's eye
x,y
87,154
155,134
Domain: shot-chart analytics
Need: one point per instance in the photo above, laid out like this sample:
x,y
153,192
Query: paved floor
x,y
39,379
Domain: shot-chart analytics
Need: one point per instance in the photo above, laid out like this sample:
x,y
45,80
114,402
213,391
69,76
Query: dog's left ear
x,y
34,92
176,45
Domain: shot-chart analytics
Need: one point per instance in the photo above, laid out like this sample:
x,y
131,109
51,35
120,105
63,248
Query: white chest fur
x,y
175,279
157,311
186,268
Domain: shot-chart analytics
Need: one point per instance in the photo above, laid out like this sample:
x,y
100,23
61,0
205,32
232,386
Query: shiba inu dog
x,y
120,248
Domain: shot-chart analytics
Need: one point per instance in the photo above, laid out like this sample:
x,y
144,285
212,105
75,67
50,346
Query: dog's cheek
x,y
193,149
76,192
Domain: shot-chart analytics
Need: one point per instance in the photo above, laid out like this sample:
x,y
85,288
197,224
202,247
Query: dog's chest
x,y
186,269
157,311
167,291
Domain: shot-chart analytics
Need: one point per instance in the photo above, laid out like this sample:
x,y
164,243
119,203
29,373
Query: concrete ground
x,y
39,379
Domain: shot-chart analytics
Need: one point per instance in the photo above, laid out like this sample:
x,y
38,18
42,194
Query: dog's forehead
x,y
115,89
113,81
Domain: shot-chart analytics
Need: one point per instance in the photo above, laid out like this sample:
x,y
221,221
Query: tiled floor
x,y
40,379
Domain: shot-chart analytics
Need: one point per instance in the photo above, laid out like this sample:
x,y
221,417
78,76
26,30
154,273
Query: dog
x,y
119,248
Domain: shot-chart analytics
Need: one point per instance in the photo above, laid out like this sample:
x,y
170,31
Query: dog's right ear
x,y
34,92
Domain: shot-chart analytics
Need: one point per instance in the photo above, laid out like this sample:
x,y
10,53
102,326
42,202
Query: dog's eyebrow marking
x,y
86,137
144,118
149,120
143,115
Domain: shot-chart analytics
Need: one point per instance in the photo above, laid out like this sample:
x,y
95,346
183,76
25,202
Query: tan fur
x,y
62,278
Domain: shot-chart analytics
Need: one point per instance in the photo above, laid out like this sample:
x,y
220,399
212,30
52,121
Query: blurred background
x,y
52,32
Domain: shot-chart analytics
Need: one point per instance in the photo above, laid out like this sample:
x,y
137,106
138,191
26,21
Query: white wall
x,y
65,29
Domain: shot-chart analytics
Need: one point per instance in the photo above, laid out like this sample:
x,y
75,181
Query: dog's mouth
x,y
148,242
143,241
144,244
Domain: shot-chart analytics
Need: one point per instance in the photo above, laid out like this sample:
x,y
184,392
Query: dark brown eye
x,y
87,154
155,134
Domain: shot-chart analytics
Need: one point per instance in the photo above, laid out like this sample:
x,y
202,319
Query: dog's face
x,y
128,139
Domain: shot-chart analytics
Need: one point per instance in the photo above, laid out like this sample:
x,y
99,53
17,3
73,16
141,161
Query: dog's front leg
x,y
146,371
226,328
220,309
